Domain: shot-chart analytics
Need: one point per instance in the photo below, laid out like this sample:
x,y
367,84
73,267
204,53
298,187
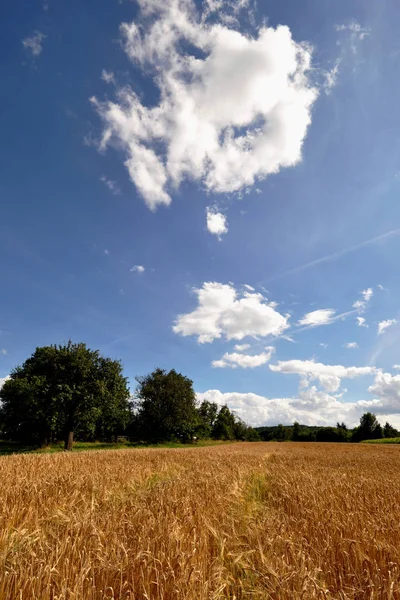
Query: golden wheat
x,y
278,521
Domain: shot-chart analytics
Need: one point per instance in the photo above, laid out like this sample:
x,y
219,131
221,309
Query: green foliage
x,y
224,427
369,429
207,412
166,407
389,431
61,391
395,440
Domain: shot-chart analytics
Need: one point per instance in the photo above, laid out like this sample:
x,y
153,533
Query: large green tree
x,y
61,391
166,406
369,428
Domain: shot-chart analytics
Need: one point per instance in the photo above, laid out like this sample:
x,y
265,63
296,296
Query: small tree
x,y
369,428
60,391
224,426
389,431
296,431
166,406
207,412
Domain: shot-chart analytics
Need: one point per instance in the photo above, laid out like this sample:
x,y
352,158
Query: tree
x,y
224,426
389,431
296,431
61,391
166,406
281,433
207,412
369,428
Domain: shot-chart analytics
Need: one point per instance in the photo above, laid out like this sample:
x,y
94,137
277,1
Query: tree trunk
x,y
69,441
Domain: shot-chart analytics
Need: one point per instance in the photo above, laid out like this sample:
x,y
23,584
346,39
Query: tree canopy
x,y
63,390
166,406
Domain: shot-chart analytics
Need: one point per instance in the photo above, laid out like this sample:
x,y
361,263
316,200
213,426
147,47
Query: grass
x,y
237,521
7,448
395,440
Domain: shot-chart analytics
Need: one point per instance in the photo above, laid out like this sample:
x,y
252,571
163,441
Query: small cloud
x,y
107,252
245,361
324,346
397,367
107,76
249,288
361,322
351,345
45,6
381,287
384,325
137,269
3,351
288,338
331,77
366,297
216,223
112,185
323,316
241,347
34,43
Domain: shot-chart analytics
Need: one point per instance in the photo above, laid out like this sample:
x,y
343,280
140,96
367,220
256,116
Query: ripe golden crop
x,y
259,521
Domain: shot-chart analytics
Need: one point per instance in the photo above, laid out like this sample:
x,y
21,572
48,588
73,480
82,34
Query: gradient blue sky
x,y
75,222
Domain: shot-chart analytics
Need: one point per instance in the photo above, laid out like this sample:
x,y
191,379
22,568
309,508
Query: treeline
x,y
369,429
70,392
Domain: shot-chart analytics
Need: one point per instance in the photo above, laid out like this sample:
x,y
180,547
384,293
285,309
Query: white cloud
x,y
323,316
137,269
106,252
288,338
384,325
381,287
112,185
232,111
397,367
242,347
222,312
362,304
329,376
331,77
3,351
216,223
3,380
387,389
246,361
34,43
311,407
351,345
249,288
107,76
323,345
361,322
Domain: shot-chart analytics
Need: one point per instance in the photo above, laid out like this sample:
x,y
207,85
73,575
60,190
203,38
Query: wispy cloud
x,y
351,345
107,76
361,322
384,325
339,254
112,185
33,43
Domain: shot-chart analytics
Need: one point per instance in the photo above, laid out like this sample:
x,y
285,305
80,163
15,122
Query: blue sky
x,y
157,158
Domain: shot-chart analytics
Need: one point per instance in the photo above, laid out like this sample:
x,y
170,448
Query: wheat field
x,y
258,521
